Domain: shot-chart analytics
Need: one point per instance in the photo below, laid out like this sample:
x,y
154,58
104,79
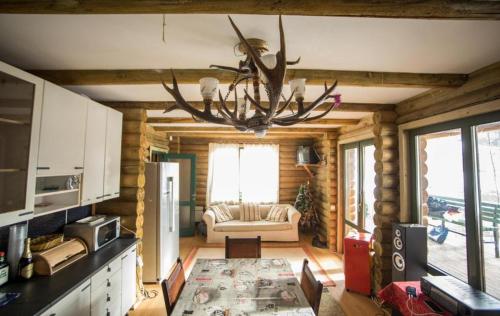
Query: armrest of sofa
x,y
209,219
293,215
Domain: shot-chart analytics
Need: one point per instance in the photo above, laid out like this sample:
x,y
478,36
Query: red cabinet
x,y
357,263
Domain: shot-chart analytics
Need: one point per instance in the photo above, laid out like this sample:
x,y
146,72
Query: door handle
x,y
78,168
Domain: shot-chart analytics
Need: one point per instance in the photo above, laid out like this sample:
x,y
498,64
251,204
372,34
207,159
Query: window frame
x,y
474,245
359,145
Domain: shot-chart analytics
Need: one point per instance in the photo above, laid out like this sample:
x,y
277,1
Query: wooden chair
x,y
243,247
311,287
173,285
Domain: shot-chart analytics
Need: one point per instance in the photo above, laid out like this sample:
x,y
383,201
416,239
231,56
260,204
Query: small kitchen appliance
x,y
97,231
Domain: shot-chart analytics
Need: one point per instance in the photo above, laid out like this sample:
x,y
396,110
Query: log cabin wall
x,y
290,176
324,188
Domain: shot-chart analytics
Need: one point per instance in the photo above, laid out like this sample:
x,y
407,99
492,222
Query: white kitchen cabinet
x,y
21,96
75,303
62,132
113,154
95,152
128,280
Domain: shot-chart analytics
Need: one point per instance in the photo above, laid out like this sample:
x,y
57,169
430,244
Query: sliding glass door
x,y
456,194
359,183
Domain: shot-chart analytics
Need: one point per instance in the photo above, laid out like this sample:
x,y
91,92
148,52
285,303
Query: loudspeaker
x,y
409,252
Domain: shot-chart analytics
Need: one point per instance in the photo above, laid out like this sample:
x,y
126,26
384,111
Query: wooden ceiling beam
x,y
180,120
192,76
226,136
438,9
161,105
214,130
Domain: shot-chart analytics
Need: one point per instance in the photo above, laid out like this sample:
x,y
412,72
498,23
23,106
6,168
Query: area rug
x,y
294,255
329,306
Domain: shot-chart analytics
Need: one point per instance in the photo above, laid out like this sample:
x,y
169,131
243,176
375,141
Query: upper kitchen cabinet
x,y
62,132
113,154
21,97
95,153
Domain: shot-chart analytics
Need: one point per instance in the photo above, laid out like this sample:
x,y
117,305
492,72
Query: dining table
x,y
242,287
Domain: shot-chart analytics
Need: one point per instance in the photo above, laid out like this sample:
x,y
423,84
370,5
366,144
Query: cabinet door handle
x,y
108,284
78,168
86,287
124,257
109,269
108,299
53,314
25,213
106,195
42,168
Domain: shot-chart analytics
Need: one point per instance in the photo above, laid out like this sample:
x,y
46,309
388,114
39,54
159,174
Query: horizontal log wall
x,y
290,176
483,86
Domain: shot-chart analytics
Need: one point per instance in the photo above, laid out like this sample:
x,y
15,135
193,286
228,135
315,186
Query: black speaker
x,y
409,252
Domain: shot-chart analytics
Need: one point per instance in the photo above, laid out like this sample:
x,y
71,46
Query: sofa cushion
x,y
278,213
243,226
250,212
222,213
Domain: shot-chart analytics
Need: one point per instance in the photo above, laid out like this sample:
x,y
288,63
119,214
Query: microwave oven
x,y
96,231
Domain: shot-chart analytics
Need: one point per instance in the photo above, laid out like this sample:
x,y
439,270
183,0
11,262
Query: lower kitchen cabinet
x,y
109,292
75,303
128,279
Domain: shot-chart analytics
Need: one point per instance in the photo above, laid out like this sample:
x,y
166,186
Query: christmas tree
x,y
304,204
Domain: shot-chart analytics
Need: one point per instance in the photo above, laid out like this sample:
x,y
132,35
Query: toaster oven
x,y
95,231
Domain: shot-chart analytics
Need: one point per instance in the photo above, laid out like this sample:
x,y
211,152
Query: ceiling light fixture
x,y
257,67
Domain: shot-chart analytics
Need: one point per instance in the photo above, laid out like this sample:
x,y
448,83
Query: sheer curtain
x,y
223,173
259,173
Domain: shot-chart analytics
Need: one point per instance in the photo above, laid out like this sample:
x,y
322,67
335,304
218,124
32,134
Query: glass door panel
x,y
440,200
351,192
488,159
16,107
368,186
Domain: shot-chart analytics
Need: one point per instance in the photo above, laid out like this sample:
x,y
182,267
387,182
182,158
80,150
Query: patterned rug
x,y
295,255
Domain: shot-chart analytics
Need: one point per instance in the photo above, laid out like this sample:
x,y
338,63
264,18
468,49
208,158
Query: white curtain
x,y
223,173
259,173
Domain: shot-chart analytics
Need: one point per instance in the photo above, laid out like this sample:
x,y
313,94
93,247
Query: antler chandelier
x,y
267,69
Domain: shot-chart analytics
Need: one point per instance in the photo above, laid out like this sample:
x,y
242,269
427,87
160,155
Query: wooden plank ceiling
x,y
438,9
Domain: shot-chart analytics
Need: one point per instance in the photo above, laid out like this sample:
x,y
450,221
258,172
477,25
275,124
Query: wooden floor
x,y
352,304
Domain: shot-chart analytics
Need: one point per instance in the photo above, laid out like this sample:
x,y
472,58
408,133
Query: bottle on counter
x,y
4,269
25,269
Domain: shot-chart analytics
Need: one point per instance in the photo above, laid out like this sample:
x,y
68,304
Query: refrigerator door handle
x,y
170,184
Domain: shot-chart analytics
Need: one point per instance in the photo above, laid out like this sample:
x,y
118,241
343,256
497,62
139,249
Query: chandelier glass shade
x,y
255,70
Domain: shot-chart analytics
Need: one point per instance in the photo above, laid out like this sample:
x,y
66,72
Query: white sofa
x,y
268,230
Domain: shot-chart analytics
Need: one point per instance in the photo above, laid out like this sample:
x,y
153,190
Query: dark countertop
x,y
41,292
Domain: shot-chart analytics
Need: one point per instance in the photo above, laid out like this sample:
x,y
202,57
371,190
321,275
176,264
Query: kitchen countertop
x,y
41,292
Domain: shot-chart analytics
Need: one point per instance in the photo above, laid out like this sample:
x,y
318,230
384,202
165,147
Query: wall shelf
x,y
48,193
307,167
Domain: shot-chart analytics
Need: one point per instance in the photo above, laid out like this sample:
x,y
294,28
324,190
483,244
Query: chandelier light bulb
x,y
299,86
260,133
242,106
208,86
269,60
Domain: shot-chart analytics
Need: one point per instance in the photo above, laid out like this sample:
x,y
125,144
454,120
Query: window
x,y
359,184
243,173
456,194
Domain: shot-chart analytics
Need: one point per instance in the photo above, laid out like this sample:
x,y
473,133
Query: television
x,y
307,155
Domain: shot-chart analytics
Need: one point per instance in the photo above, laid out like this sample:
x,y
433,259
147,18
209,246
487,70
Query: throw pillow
x,y
277,213
222,213
250,212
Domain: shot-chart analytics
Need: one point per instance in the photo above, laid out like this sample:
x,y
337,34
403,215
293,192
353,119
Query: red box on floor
x,y
357,263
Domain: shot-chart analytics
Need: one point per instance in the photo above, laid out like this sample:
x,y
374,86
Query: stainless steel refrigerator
x,y
161,220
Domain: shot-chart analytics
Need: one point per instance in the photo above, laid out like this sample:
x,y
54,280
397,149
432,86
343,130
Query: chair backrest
x,y
243,247
311,287
173,285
